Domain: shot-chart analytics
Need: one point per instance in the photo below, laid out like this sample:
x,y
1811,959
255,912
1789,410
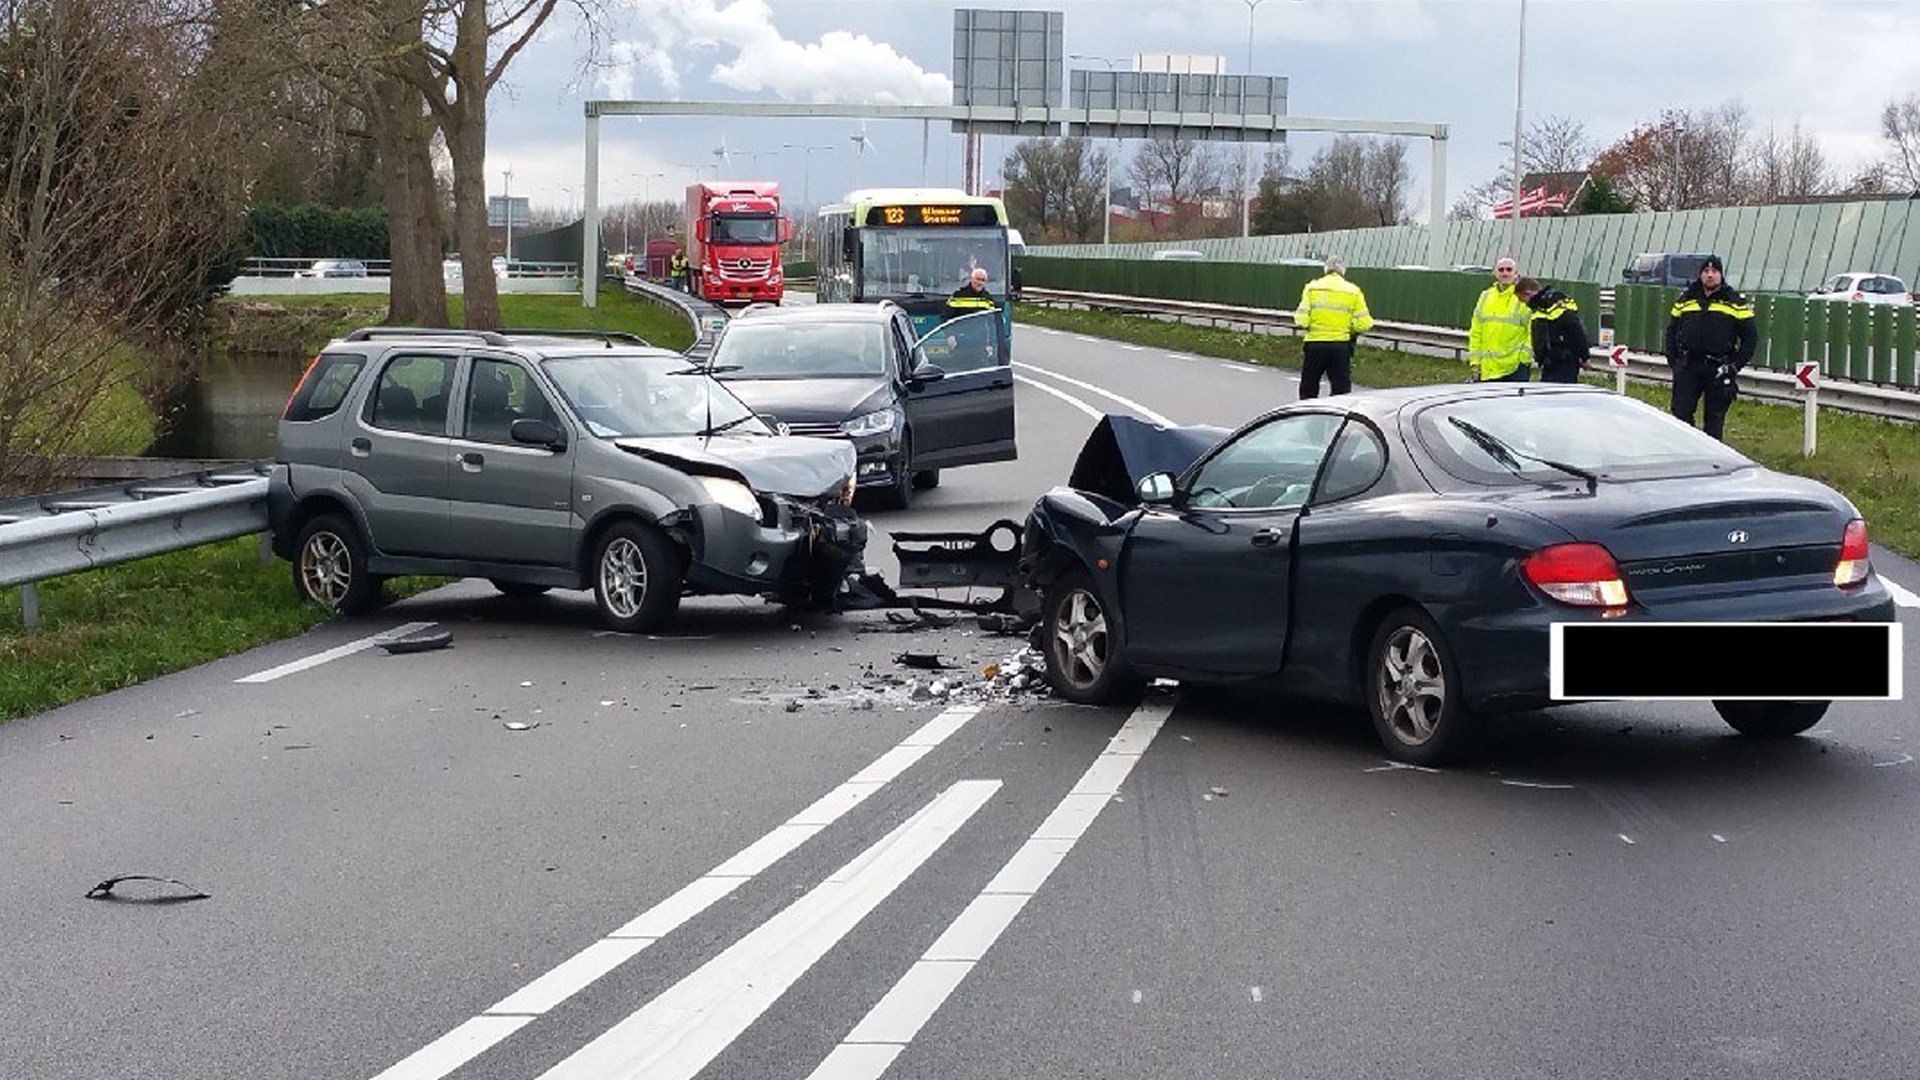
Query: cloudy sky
x,y
1608,63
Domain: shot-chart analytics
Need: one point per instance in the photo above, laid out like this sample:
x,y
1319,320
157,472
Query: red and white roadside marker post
x,y
1806,376
1617,360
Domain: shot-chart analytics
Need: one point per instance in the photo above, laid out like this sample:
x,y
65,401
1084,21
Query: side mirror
x,y
925,372
846,243
1155,489
786,229
538,433
700,230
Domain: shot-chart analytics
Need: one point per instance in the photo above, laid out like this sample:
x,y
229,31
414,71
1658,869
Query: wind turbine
x,y
861,145
724,155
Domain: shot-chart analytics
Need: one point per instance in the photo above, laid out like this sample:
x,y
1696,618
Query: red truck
x,y
736,229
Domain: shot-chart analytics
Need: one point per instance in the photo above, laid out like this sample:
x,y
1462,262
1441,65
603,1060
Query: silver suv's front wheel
x,y
637,577
330,567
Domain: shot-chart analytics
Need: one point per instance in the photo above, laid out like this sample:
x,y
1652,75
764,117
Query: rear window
x,y
325,387
1616,437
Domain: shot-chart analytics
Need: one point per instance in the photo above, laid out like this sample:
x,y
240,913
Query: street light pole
x,y
1519,100
1106,201
1246,149
509,199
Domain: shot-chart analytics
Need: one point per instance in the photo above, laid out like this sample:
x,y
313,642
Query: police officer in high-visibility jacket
x,y
971,297
1332,311
1500,338
1560,344
1710,337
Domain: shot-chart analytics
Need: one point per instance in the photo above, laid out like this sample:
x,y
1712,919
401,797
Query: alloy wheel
x,y
1080,641
1411,686
623,577
326,568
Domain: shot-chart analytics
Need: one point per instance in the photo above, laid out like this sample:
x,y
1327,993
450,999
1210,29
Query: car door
x,y
397,454
510,502
1205,584
965,416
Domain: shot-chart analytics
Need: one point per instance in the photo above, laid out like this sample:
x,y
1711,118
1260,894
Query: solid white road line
x,y
1063,396
334,653
1900,595
870,1048
681,1031
1133,348
542,995
1145,413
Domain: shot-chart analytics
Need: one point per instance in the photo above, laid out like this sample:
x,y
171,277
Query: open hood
x,y
796,467
1123,449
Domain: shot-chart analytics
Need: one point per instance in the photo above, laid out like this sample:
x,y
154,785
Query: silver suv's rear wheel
x,y
330,567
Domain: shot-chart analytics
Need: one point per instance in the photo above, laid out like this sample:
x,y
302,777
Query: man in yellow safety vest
x,y
1500,338
1332,312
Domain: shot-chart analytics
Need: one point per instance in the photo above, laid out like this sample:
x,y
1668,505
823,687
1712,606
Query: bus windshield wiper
x,y
1510,456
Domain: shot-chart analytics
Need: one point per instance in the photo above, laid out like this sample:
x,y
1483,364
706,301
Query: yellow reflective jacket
x,y
1332,309
1500,337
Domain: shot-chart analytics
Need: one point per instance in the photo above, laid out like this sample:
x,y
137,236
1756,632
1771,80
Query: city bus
x,y
913,246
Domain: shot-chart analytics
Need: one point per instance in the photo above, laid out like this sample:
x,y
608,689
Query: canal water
x,y
229,408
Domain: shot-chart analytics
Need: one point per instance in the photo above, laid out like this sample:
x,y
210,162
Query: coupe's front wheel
x,y
1084,664
1771,719
330,567
1413,691
636,578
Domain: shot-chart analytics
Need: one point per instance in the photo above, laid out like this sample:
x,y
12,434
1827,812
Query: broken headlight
x,y
732,494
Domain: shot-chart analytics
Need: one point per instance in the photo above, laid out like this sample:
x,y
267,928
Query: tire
x,y
1413,691
637,574
900,495
330,567
1771,719
519,588
1083,658
926,479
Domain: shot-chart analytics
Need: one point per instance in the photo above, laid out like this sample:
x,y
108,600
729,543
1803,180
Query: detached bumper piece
x,y
835,540
963,560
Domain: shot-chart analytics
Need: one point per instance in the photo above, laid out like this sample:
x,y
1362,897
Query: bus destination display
x,y
931,214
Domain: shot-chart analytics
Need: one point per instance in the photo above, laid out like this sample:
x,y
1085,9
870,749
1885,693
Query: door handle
x,y
1269,537
473,458
362,446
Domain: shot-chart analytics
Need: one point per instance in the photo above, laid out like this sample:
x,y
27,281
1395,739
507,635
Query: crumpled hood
x,y
797,467
1122,450
810,401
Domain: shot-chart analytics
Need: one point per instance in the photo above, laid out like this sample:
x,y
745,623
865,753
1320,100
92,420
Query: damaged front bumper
x,y
793,551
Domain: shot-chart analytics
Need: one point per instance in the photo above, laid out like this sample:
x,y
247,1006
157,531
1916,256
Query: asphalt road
x,y
745,850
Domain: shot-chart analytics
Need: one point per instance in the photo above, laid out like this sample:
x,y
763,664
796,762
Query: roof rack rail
x,y
608,336
368,333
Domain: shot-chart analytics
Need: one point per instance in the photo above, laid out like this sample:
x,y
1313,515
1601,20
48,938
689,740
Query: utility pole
x,y
1246,149
509,200
1106,201
1519,110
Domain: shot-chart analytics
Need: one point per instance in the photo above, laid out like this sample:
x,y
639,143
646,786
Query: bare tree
x,y
1783,167
1550,144
1178,169
123,136
1056,188
1900,126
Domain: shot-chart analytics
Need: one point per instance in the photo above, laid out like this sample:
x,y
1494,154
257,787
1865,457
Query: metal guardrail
x,y
1763,385
706,317
45,536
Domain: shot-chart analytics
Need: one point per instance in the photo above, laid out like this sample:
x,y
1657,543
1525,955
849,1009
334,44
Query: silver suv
x,y
540,459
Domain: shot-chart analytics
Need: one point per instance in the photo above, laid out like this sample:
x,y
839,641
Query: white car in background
x,y
1178,255
1863,287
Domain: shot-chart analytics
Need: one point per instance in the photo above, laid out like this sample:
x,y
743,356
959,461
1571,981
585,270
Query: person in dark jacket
x,y
1560,344
1710,337
971,297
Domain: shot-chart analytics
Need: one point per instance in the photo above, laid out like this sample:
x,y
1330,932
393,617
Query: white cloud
x,y
841,66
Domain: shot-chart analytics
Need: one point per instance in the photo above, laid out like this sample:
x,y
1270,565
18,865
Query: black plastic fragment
x,y
413,643
104,890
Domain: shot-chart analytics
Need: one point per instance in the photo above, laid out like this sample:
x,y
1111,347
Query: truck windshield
x,y
743,229
901,262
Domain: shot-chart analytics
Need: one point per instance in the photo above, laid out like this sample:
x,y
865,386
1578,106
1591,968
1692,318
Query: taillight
x,y
1581,574
297,384
1853,567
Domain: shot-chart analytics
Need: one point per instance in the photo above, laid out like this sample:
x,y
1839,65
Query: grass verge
x,y
302,324
124,624
1876,463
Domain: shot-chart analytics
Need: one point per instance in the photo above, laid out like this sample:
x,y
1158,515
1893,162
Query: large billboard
x,y
1007,59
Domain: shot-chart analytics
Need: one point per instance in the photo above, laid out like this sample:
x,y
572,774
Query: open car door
x,y
959,393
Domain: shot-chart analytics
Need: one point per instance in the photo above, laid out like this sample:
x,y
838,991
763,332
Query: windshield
x,y
743,229
901,262
1614,437
803,350
618,394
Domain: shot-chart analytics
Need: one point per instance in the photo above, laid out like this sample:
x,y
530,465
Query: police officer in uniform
x,y
1560,344
1498,337
971,297
1710,337
1332,311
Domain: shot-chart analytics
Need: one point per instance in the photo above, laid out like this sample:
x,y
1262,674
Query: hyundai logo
x,y
1738,536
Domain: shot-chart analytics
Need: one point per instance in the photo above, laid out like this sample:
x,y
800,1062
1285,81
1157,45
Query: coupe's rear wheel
x,y
519,588
1084,664
1771,719
926,479
636,578
330,567
1413,691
